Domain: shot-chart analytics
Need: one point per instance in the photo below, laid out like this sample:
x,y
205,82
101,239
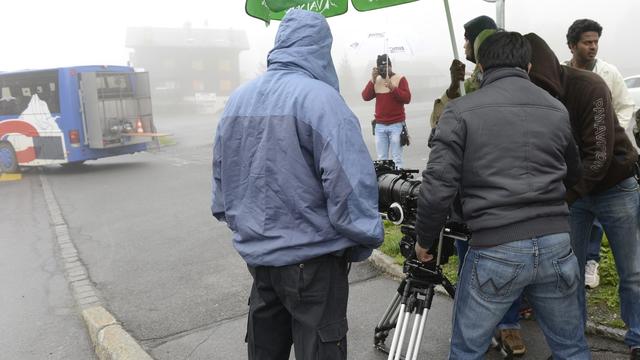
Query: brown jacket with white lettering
x,y
608,156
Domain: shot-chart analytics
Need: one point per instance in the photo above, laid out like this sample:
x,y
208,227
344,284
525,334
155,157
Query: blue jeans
x,y
545,270
617,210
388,139
511,318
595,241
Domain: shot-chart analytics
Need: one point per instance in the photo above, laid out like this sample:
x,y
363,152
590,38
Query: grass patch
x,y
603,303
391,247
166,140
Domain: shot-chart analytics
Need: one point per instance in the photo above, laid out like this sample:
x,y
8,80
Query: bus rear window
x,y
112,85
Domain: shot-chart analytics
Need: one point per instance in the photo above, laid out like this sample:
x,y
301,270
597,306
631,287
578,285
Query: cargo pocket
x,y
568,273
332,344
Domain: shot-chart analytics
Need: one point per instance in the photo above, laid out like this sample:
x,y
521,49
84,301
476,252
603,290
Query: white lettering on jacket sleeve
x,y
600,132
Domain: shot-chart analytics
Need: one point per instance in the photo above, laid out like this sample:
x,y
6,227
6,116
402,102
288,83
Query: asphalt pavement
x,y
39,318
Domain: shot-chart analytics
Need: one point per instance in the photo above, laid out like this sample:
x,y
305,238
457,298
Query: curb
x,y
386,264
110,340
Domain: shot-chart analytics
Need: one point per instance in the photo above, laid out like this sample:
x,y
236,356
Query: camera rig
x,y
398,200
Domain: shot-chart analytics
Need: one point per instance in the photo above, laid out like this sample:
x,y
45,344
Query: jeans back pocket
x,y
568,273
493,278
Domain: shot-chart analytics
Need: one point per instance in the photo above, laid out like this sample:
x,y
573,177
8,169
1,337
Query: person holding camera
x,y
391,92
294,181
608,189
508,149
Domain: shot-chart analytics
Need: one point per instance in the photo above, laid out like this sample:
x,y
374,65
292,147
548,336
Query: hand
x,y
457,75
389,85
570,197
374,74
422,254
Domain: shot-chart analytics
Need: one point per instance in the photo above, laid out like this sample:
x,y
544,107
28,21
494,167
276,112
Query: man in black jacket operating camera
x,y
509,149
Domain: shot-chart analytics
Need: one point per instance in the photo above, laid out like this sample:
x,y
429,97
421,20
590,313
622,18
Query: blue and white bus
x,y
73,114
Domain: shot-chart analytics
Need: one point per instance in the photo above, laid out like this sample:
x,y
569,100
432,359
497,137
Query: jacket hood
x,y
303,43
546,70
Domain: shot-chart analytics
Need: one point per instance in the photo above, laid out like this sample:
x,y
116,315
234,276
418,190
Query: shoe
x,y
591,277
635,354
509,342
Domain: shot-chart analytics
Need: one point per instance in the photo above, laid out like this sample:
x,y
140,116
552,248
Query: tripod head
x,y
423,275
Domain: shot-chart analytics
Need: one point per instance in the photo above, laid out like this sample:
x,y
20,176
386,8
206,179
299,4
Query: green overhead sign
x,y
268,10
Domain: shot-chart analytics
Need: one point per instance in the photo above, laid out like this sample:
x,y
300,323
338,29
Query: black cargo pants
x,y
302,304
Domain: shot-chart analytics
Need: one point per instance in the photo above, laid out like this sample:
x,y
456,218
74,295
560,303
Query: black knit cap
x,y
383,60
476,25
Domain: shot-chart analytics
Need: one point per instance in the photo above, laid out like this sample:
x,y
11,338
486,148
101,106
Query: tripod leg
x,y
425,314
390,312
403,332
387,322
428,299
396,334
417,321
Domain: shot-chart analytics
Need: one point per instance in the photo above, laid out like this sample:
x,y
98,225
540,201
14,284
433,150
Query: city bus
x,y
72,114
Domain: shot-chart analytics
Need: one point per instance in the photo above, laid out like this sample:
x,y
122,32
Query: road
x,y
168,271
38,317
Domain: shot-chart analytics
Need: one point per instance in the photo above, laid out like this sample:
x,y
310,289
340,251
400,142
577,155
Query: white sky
x,y
45,33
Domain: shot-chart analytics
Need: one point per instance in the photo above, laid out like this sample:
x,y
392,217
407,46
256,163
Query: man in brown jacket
x,y
608,189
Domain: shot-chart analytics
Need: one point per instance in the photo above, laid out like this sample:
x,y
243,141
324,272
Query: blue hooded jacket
x,y
292,176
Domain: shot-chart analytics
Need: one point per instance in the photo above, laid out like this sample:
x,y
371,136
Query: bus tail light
x,y
74,137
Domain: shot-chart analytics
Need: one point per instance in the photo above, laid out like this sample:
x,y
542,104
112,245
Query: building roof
x,y
186,37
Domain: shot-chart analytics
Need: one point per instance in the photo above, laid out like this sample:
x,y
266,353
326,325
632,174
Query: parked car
x,y
633,84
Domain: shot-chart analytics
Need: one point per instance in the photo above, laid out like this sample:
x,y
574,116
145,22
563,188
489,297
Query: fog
x,y
46,34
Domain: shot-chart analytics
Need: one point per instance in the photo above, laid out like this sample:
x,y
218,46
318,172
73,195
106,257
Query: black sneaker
x,y
635,354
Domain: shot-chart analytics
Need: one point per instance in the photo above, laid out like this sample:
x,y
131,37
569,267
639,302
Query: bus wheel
x,y
8,161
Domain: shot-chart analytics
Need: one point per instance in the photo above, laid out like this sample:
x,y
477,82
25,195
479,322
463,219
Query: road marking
x,y
10,177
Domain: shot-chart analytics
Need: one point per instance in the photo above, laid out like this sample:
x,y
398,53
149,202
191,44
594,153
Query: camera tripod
x,y
417,289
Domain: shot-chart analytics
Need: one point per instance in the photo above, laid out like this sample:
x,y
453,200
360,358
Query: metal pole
x,y
452,35
500,13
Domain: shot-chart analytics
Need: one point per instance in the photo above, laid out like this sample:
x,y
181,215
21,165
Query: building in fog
x,y
188,67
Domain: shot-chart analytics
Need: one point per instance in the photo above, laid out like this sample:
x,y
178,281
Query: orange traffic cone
x,y
139,128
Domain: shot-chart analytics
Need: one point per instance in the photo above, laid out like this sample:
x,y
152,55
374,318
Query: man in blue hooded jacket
x,y
293,180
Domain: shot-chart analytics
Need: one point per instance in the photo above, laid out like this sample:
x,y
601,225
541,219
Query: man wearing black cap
x,y
508,337
473,30
391,92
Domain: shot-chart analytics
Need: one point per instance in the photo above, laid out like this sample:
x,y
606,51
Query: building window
x,y
198,85
197,65
224,65
225,86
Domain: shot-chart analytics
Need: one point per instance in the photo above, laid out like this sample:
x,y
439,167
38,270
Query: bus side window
x,y
51,97
8,104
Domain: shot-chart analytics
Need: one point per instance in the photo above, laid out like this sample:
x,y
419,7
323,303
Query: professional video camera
x,y
398,200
